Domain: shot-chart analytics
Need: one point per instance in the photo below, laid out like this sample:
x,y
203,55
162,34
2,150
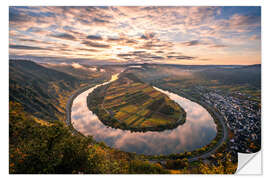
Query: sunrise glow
x,y
170,35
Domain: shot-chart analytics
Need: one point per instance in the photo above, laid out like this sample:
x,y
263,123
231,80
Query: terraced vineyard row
x,y
128,103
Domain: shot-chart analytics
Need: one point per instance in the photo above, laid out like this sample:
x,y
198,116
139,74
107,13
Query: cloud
x,y
160,52
99,20
255,37
75,32
18,17
204,59
94,37
38,31
87,50
148,36
203,43
140,55
191,43
63,64
104,33
130,41
218,46
238,20
125,55
181,57
64,36
95,44
77,66
23,47
34,41
92,69
116,39
152,45
156,57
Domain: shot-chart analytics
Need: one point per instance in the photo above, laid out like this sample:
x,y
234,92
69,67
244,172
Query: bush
x,y
44,149
143,167
177,164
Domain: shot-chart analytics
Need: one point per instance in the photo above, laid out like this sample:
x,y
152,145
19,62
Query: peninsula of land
x,y
130,104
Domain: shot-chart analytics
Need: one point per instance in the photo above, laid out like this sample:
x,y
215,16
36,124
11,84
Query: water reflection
x,y
198,130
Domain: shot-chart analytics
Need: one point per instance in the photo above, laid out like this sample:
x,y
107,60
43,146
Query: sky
x,y
145,34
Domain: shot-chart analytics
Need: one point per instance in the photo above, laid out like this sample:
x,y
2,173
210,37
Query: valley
x,y
132,102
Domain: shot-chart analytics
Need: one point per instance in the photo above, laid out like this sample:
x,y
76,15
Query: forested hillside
x,y
250,75
42,91
76,70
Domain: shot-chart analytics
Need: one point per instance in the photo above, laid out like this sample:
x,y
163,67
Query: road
x,y
220,142
219,118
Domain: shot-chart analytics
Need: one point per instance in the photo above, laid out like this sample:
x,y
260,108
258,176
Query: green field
x,y
128,103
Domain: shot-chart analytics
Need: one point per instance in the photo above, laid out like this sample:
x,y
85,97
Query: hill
x,y
42,91
129,103
250,75
81,72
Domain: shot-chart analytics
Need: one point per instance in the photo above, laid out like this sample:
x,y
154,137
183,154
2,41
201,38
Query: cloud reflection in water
x,y
198,130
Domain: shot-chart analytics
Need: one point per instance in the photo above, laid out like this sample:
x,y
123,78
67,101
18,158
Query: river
x,y
198,130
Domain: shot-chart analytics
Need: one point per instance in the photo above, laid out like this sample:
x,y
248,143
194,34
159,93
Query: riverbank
x,y
130,104
220,139
69,106
70,103
203,152
218,118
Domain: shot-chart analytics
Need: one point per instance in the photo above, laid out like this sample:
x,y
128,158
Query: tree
x,y
177,164
224,166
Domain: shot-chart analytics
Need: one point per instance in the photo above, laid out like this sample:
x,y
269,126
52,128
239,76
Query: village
x,y
242,116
